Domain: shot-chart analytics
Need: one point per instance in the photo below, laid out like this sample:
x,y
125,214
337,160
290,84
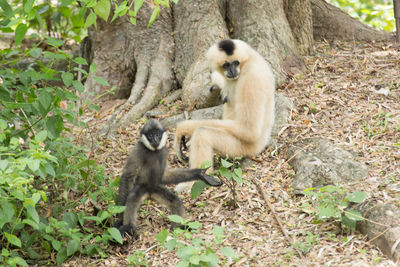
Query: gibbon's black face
x,y
231,69
153,135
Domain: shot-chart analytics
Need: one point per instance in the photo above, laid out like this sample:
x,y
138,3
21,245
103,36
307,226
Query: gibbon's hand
x,y
213,88
209,179
183,145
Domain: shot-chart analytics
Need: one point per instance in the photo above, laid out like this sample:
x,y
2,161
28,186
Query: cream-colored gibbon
x,y
247,88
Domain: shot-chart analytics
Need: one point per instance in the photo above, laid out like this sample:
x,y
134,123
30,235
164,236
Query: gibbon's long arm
x,y
176,176
127,179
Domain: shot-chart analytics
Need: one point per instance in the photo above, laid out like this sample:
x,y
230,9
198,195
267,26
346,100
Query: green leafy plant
x,y
229,172
381,123
194,251
376,13
310,240
332,202
138,258
67,18
42,170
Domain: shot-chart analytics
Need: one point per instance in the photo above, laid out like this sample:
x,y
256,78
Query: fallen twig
x,y
289,240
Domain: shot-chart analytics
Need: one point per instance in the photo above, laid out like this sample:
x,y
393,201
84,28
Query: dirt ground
x,y
349,95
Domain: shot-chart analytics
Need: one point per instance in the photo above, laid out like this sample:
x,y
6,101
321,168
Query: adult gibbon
x,y
247,88
145,174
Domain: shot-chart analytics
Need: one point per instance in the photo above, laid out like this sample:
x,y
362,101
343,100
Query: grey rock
x,y
317,162
200,114
382,226
283,109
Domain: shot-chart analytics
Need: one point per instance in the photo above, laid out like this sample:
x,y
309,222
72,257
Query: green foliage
x,y
138,258
310,241
381,123
376,13
67,18
193,251
231,174
332,202
41,168
63,18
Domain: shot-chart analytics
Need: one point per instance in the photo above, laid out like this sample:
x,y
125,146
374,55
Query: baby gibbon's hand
x,y
209,179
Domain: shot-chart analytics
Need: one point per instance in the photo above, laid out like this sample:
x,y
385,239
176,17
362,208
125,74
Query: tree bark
x,y
198,25
299,16
140,61
264,26
330,22
114,61
136,59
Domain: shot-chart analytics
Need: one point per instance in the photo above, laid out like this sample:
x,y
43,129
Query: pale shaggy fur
x,y
248,116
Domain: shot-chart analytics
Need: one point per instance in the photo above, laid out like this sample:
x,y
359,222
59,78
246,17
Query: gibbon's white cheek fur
x,y
163,141
217,79
146,142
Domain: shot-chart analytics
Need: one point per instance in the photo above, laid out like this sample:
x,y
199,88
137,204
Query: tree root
x,y
152,50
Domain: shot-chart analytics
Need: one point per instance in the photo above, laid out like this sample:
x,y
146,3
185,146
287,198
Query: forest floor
x,y
349,95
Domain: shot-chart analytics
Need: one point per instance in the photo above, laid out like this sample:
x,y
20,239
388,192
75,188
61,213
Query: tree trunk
x,y
140,61
299,16
136,59
198,25
331,23
264,26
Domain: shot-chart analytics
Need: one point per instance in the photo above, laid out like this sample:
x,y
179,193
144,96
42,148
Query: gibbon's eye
x,y
235,63
226,65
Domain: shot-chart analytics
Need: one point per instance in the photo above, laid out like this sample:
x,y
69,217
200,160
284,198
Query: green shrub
x,y
195,251
42,171
332,203
376,13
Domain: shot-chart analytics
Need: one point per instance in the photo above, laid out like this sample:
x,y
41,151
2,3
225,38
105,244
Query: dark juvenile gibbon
x,y
146,172
247,88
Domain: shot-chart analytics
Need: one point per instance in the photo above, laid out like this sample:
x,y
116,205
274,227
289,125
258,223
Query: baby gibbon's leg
x,y
135,197
164,196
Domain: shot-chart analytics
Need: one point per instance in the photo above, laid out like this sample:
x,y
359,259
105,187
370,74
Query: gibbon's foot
x,y
183,145
129,230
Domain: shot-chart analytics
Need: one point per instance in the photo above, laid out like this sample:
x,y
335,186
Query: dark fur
x,y
227,46
144,176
